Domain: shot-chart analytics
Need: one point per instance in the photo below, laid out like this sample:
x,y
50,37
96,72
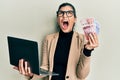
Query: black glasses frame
x,y
69,13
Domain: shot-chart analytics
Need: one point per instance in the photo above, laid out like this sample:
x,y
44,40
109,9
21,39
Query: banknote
x,y
90,25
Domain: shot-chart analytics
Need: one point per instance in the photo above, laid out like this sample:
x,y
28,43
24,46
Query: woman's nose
x,y
65,14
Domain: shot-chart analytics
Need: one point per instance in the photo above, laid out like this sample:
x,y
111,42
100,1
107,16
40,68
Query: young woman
x,y
66,51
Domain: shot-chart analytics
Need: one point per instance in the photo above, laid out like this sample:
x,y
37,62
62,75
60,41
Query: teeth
x,y
65,20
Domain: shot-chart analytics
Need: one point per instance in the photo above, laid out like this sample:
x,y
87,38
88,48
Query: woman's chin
x,y
66,30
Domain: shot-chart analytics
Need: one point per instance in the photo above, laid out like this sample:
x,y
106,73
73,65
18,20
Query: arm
x,y
45,55
83,67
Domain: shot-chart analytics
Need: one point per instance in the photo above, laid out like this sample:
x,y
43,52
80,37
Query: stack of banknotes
x,y
90,25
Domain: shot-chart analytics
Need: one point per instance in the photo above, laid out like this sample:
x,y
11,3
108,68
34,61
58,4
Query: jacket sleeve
x,y
83,66
44,55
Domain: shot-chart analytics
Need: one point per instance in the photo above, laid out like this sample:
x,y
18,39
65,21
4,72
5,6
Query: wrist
x,y
31,76
87,52
88,48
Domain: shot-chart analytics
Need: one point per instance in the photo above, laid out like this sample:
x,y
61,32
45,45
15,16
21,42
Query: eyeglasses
x,y
68,13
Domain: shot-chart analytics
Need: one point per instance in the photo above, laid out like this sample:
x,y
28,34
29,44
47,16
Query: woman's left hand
x,y
92,41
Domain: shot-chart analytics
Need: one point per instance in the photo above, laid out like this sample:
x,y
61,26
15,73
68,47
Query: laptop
x,y
28,50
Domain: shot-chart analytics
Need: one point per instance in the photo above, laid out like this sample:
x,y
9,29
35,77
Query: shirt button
x,y
67,76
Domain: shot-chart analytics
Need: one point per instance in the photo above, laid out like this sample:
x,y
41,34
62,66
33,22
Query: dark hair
x,y
68,4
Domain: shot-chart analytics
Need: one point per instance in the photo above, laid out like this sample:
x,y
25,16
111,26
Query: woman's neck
x,y
66,34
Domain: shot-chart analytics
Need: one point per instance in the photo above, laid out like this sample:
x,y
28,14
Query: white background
x,y
33,19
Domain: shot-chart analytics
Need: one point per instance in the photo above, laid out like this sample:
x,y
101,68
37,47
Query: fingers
x,y
21,66
92,41
29,70
24,68
92,38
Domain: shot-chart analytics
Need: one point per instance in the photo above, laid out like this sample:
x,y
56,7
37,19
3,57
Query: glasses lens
x,y
69,13
60,13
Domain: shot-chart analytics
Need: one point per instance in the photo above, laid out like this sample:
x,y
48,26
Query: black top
x,y
62,53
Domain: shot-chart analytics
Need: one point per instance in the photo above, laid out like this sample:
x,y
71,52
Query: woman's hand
x,y
92,41
24,68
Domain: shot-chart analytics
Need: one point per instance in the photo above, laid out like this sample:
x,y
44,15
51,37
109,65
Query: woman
x,y
66,51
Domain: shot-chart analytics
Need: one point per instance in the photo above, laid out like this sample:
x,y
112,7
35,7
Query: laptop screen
x,y
23,49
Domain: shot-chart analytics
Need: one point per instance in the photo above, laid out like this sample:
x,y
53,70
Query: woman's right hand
x,y
24,68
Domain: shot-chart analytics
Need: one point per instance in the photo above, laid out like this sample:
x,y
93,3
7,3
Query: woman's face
x,y
66,19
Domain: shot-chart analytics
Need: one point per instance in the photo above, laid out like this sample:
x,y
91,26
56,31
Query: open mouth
x,y
65,24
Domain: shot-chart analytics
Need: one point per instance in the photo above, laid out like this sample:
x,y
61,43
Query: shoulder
x,y
51,36
79,35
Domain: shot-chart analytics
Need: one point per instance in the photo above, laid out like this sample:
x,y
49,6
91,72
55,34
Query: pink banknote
x,y
90,25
